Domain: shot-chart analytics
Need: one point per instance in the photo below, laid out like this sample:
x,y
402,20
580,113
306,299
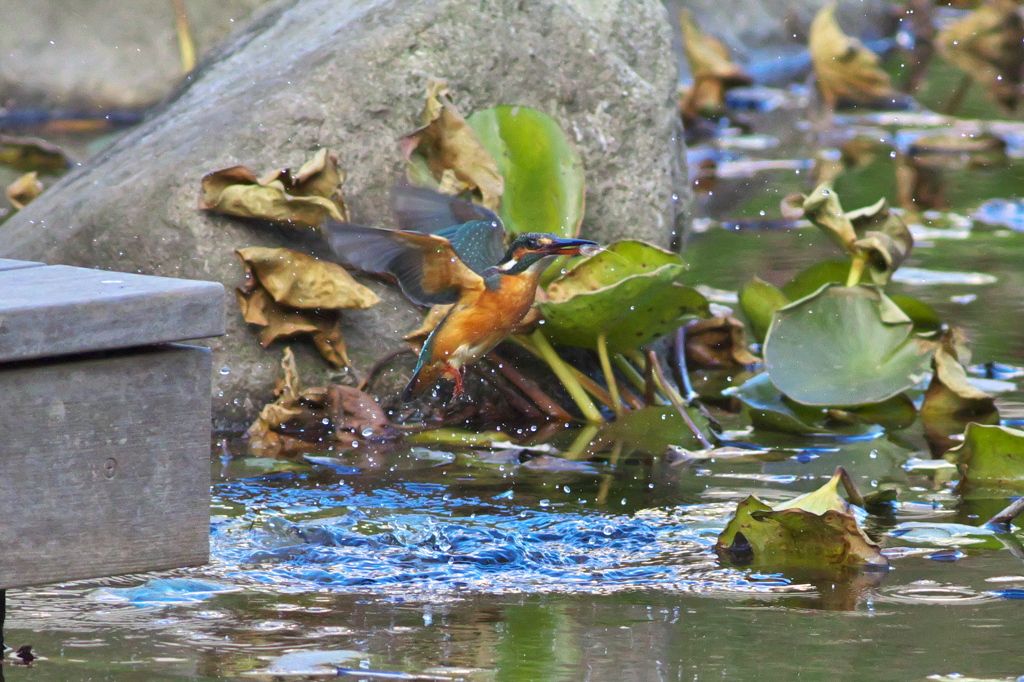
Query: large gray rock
x,y
350,75
99,54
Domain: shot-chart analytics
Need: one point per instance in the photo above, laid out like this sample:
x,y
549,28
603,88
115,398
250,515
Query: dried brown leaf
x,y
845,69
717,342
23,190
447,143
712,70
301,281
305,197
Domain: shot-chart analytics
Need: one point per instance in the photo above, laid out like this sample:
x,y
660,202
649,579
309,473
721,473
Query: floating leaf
x,y
844,346
291,293
27,154
991,456
631,292
305,197
313,419
987,45
873,234
717,342
23,190
767,408
759,300
809,280
816,530
448,144
651,430
845,69
952,401
712,70
544,181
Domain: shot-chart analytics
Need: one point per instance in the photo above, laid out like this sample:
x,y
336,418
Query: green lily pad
x,y
991,456
816,531
759,300
809,280
631,292
544,183
768,409
844,346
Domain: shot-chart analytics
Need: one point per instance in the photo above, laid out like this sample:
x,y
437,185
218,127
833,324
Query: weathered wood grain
x,y
58,309
106,464
8,264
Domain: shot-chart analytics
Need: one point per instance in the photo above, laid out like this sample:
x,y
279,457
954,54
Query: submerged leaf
x,y
845,69
27,154
991,456
988,45
305,197
717,342
631,292
844,346
23,190
712,70
544,181
447,143
816,531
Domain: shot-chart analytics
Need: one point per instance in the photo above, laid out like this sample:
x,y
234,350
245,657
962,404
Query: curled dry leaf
x,y
290,293
313,419
24,190
305,197
845,69
28,154
813,531
448,152
988,45
712,70
717,342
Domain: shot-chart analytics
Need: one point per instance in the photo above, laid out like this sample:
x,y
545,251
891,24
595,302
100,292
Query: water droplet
x,y
225,370
367,433
608,530
545,503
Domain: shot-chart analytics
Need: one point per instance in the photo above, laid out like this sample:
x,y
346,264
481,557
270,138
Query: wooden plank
x,y
106,464
59,309
8,264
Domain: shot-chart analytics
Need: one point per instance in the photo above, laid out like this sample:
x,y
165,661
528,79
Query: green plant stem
x,y
589,385
562,371
852,493
857,269
609,376
676,399
634,376
580,444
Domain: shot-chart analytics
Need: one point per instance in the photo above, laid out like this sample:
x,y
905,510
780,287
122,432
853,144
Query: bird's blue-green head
x,y
530,248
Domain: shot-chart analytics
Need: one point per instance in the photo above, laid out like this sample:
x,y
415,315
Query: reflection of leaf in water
x,y
27,154
446,152
305,197
816,530
988,46
846,70
921,171
712,70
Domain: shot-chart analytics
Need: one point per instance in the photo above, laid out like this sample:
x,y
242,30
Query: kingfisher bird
x,y
451,251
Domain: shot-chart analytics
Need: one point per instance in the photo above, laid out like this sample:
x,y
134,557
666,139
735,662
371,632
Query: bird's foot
x,y
453,373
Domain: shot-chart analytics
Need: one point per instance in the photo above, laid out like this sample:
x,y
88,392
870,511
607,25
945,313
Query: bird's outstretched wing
x,y
428,267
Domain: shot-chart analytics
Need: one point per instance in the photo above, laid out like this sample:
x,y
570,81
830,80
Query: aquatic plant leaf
x,y
311,419
447,143
290,293
301,281
712,70
988,45
991,456
717,342
305,197
767,408
759,300
651,430
872,233
544,181
845,69
23,190
809,280
27,154
631,292
812,531
844,346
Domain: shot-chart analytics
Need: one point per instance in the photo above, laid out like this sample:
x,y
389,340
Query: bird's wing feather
x,y
479,243
427,267
419,209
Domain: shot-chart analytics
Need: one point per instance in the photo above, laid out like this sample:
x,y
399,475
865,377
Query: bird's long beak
x,y
570,247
